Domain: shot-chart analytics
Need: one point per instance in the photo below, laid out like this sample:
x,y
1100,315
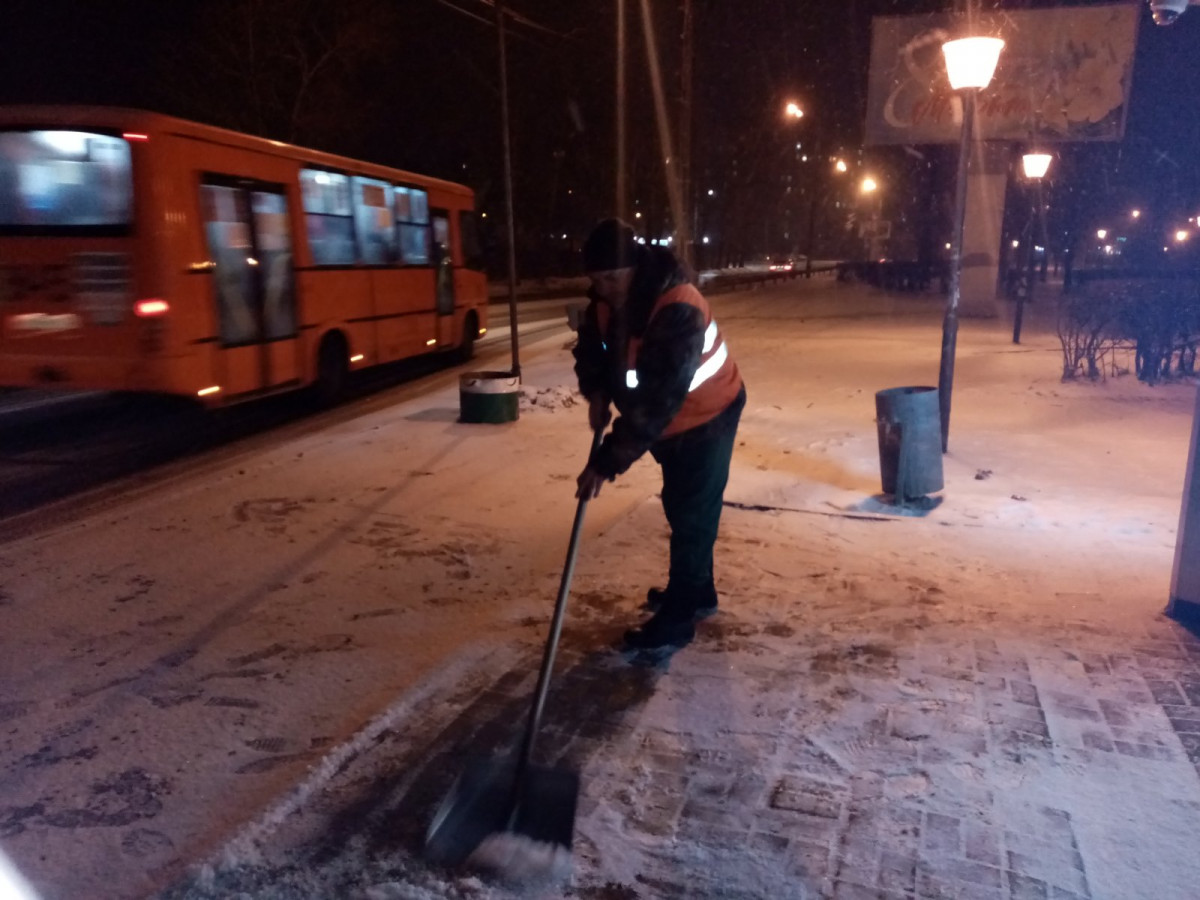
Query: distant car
x,y
781,265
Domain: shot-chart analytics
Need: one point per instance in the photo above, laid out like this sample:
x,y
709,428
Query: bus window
x,y
53,180
328,217
275,264
227,228
472,248
249,239
412,213
373,218
441,232
444,261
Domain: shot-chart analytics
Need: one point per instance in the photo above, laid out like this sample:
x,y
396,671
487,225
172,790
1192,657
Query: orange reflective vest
x,y
717,380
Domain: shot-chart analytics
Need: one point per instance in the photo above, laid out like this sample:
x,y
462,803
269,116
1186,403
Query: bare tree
x,y
293,70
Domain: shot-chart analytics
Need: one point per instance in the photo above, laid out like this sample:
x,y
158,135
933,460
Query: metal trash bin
x,y
488,397
910,441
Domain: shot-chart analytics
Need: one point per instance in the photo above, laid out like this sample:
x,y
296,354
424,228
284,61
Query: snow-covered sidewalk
x,y
982,702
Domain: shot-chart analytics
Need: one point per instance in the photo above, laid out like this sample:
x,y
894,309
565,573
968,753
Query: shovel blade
x,y
480,804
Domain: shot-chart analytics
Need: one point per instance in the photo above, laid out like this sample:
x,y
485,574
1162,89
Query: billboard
x,y
1064,75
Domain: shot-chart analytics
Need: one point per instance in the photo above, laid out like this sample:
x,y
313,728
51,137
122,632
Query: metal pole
x,y
1020,313
950,322
1038,225
508,191
1043,236
622,209
818,185
812,234
662,115
1028,237
685,137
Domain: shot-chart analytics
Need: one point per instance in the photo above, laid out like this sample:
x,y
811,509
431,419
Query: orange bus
x,y
140,252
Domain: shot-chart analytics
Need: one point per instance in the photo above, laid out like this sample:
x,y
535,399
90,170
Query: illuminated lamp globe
x,y
971,62
1036,164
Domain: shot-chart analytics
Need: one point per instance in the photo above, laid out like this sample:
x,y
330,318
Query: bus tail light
x,y
150,308
153,313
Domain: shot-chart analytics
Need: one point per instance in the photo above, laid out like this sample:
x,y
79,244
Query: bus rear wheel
x,y
332,370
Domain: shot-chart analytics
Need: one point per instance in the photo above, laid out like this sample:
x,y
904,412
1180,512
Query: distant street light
x,y
1102,233
1181,236
1137,213
840,165
970,64
867,187
793,111
1035,165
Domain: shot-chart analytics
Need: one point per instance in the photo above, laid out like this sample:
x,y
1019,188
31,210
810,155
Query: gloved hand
x,y
599,414
589,483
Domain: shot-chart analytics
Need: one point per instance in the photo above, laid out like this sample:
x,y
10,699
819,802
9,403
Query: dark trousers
x,y
695,470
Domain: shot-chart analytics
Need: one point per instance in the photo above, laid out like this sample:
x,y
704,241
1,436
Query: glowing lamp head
x,y
1167,12
1036,164
971,62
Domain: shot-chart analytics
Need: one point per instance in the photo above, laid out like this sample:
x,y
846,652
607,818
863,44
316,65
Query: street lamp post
x,y
970,64
1035,166
869,188
795,112
818,182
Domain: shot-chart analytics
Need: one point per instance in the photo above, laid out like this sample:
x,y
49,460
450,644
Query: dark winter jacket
x,y
670,352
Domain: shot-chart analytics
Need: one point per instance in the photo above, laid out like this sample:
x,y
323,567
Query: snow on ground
x,y
276,665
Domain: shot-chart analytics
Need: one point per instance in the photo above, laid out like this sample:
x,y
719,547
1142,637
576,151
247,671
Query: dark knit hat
x,y
611,245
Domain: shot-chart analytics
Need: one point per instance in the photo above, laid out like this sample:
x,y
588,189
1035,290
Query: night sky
x,y
421,91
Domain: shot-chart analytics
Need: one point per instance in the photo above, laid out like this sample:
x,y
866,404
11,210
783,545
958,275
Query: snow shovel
x,y
531,806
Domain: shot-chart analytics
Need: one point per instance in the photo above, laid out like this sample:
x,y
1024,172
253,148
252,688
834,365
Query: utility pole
x,y
508,190
622,204
663,117
684,227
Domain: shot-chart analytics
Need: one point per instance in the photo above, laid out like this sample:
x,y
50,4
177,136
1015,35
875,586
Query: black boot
x,y
667,629
702,605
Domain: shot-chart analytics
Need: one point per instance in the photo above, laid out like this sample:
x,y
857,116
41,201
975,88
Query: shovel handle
x,y
560,607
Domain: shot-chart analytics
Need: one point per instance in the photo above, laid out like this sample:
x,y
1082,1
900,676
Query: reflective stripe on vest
x,y
706,371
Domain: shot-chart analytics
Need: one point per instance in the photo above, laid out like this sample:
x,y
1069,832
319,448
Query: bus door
x,y
443,275
254,285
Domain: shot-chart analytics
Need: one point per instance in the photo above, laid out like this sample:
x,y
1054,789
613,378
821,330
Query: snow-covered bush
x,y
1157,318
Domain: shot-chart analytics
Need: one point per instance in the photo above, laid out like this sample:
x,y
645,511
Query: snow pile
x,y
549,399
522,861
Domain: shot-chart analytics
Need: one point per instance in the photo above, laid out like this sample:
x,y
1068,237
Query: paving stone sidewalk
x,y
831,734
